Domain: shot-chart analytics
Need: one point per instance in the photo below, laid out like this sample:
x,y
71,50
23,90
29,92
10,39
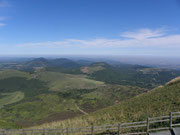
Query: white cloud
x,y
143,34
139,38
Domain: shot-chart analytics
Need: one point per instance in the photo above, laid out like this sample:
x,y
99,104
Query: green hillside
x,y
93,68
13,73
119,73
60,81
94,99
61,90
30,87
43,96
10,98
134,75
61,63
158,102
63,105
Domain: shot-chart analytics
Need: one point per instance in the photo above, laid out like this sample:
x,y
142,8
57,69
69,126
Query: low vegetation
x,y
60,81
34,102
10,98
13,73
157,102
41,91
93,68
135,75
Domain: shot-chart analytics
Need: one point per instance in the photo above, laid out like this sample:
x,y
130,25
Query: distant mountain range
x,y
42,62
111,72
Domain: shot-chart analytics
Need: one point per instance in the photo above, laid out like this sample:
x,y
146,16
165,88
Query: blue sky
x,y
90,27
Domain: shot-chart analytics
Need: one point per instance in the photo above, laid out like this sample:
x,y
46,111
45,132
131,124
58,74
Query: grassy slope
x,y
38,111
13,73
61,81
157,102
90,100
41,105
60,106
37,100
30,87
53,106
10,98
91,69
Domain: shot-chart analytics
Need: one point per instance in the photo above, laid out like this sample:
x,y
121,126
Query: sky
x,y
90,27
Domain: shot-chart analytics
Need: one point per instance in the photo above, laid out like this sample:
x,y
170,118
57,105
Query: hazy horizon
x,y
155,61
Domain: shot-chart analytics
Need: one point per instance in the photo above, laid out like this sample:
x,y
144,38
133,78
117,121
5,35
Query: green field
x,y
60,81
45,108
45,97
13,73
158,102
10,98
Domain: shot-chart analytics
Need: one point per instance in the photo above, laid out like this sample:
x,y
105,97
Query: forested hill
x,y
112,73
125,74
